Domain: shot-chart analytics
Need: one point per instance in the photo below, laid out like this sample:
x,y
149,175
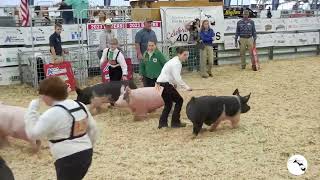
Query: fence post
x,y
20,68
271,53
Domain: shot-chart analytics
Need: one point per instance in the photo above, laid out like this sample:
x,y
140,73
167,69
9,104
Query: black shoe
x,y
210,75
162,126
180,125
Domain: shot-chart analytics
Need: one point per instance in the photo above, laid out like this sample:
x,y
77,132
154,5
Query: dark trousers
x,y
115,73
147,82
170,95
75,166
99,54
5,171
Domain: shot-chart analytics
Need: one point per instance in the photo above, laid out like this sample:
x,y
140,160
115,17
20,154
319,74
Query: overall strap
x,y
117,56
70,111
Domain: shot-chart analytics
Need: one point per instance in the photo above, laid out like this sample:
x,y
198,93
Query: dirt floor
x,y
284,120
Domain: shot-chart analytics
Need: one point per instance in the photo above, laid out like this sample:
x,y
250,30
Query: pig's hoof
x,y
203,130
139,118
194,136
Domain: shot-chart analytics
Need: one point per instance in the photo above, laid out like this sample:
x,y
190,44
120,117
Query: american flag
x,y
24,10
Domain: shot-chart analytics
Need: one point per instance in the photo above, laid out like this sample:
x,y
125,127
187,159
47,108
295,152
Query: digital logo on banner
x,y
40,38
75,35
297,165
13,39
55,71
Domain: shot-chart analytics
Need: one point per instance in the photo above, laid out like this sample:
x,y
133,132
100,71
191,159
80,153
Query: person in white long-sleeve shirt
x,y
169,78
68,125
118,69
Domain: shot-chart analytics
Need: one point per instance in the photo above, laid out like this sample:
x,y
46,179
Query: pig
x,y
12,124
102,93
141,101
5,171
211,110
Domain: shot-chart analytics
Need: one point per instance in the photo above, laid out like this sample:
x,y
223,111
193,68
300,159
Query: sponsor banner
x,y
176,18
62,70
12,36
277,25
279,39
9,75
125,32
40,35
9,56
71,32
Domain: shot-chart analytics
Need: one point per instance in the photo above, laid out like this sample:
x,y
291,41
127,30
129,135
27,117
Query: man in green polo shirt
x,y
80,9
151,65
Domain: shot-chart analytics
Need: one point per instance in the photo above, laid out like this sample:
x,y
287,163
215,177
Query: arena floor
x,y
284,120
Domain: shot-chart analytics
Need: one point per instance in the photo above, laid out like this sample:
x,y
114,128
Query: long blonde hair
x,y
202,25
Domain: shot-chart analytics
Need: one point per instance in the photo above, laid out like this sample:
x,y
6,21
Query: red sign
x,y
62,70
105,70
255,60
129,25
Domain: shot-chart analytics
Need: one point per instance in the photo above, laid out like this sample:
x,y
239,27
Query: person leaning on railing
x,y
57,53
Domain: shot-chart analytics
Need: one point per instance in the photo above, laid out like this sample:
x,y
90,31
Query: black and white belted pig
x,y
211,110
102,93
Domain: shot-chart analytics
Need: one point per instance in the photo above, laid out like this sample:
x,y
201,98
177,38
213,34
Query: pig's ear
x,y
236,92
78,90
246,98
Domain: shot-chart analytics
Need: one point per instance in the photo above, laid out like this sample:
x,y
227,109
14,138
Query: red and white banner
x,y
105,70
123,31
62,70
25,13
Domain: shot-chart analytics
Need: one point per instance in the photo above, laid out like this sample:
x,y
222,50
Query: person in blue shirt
x,y
206,51
246,30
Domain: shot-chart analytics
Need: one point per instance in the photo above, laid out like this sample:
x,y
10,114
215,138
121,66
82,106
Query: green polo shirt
x,y
151,67
79,6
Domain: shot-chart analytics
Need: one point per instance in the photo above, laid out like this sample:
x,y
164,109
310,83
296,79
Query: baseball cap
x,y
108,22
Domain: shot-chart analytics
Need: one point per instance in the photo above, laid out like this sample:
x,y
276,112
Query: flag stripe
x,y
24,11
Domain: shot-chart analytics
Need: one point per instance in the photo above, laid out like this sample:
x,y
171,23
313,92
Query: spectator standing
x,y
151,65
206,39
67,16
57,53
105,37
269,15
194,28
79,7
247,32
102,17
67,124
143,37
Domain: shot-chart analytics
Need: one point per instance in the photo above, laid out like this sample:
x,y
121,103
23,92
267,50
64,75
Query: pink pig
x,y
12,124
141,101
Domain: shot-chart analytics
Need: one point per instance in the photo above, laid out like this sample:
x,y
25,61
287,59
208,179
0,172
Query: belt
x,y
249,36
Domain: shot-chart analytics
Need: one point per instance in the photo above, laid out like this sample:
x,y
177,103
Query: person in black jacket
x,y
5,171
